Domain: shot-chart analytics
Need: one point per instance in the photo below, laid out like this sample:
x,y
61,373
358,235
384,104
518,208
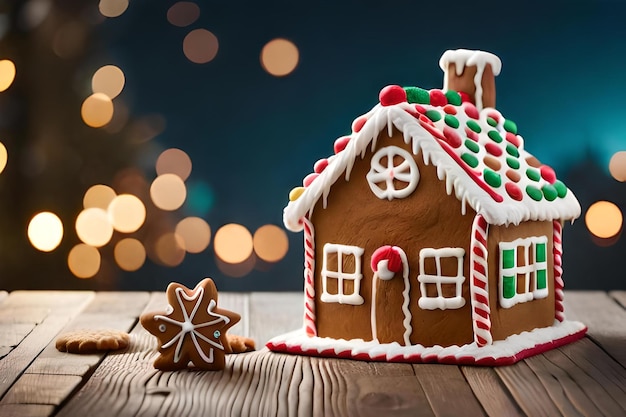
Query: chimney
x,y
471,72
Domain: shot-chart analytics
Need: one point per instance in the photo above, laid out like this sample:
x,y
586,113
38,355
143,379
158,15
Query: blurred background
x,y
144,142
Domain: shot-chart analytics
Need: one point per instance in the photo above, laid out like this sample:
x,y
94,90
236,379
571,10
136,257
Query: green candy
x,y
549,192
512,162
451,121
433,115
495,136
417,95
453,97
474,126
510,126
512,150
560,188
492,122
533,174
534,192
492,178
471,145
470,159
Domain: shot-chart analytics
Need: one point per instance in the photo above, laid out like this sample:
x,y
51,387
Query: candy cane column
x,y
386,262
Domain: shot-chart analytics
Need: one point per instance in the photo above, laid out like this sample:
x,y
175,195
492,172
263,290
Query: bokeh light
x,y
279,57
129,254
112,8
617,166
45,231
236,270
84,261
195,232
97,110
98,195
183,13
200,46
127,213
108,80
168,192
233,243
270,243
93,227
604,219
4,157
174,161
7,74
170,249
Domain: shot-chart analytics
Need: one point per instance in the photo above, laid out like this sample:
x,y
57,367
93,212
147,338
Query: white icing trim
x,y
529,270
356,276
457,180
440,302
386,174
462,58
394,352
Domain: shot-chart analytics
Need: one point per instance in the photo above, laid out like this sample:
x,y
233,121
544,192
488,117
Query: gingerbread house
x,y
432,234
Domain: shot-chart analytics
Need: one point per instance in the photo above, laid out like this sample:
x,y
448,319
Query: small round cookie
x,y
91,341
240,344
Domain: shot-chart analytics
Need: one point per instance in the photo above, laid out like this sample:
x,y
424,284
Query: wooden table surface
x,y
586,378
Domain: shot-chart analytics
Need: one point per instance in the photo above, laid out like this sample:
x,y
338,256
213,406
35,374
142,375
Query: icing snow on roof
x,y
478,154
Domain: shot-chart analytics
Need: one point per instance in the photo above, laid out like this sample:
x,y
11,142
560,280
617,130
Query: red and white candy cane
x,y
481,319
310,325
557,251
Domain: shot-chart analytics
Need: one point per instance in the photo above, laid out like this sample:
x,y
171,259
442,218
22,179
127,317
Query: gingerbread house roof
x,y
478,153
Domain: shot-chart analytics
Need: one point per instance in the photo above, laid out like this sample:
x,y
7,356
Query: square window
x,y
441,278
341,274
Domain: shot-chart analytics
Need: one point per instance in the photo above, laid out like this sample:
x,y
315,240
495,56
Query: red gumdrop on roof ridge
x,y
320,165
392,94
309,179
358,123
341,143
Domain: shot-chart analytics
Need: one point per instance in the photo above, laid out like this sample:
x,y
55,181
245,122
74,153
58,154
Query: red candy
x,y
320,165
470,110
420,109
548,174
341,143
357,125
471,134
449,109
513,139
438,98
514,191
494,116
465,98
493,149
394,261
309,179
392,94
452,137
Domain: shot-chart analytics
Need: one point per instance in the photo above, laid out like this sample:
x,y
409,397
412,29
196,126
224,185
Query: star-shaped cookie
x,y
193,329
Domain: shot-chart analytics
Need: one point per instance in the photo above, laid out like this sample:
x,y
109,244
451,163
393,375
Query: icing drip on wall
x,y
462,58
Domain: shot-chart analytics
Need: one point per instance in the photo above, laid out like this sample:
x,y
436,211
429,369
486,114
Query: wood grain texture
x,y
63,306
603,316
26,410
41,389
491,392
272,314
447,391
619,296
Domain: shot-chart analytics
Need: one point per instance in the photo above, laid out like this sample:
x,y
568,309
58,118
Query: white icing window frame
x,y
528,270
355,298
440,302
406,172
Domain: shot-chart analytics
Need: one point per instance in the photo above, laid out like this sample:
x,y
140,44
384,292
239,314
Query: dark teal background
x,y
252,137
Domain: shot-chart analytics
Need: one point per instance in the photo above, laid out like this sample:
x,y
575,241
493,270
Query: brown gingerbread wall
x,y
523,316
427,218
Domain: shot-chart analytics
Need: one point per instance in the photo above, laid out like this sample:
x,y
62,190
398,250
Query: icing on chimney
x,y
471,70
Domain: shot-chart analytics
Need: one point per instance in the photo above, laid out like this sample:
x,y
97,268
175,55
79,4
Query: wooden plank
x,y
619,296
603,316
129,304
271,314
3,295
527,390
447,390
26,410
490,391
63,305
41,389
601,368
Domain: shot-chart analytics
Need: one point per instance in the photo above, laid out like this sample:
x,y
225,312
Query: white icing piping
x,y
462,58
465,189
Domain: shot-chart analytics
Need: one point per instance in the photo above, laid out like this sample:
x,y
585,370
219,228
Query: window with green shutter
x,y
523,270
